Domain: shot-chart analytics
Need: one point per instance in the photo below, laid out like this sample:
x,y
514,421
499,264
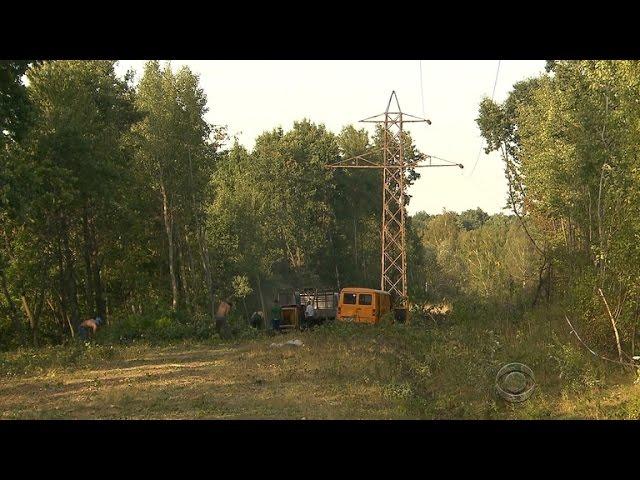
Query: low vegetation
x,y
342,371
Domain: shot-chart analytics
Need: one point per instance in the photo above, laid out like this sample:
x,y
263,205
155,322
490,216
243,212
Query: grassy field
x,y
422,370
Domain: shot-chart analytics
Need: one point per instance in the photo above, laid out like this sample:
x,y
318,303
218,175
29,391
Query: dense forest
x,y
121,200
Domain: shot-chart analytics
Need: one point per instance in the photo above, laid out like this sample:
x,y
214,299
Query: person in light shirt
x,y
309,313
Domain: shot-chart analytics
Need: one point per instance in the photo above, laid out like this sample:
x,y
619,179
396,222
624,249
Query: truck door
x,y
349,305
366,308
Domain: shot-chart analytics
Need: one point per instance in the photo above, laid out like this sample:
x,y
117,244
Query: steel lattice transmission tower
x,y
394,181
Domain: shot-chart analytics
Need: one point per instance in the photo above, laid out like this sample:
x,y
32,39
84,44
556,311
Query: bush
x,y
8,339
387,319
169,326
154,327
576,370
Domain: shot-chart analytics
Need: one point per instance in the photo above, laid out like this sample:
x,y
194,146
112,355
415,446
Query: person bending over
x,y
89,327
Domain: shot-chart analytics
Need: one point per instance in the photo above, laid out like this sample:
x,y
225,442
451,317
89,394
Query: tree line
x,y
121,199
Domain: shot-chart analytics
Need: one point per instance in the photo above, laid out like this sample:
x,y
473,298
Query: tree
x,y
176,147
66,170
472,219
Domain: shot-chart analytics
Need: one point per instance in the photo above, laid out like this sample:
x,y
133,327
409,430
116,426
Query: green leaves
x,y
569,140
14,103
473,254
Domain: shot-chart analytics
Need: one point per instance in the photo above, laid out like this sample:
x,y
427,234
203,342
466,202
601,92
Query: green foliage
x,y
472,219
241,286
66,179
14,102
569,141
123,200
475,255
157,327
576,372
175,151
387,319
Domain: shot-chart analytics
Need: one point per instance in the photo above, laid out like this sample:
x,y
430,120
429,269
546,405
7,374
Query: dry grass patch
x,y
341,372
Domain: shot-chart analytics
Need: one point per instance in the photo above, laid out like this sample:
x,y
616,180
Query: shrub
x,y
573,367
386,319
152,327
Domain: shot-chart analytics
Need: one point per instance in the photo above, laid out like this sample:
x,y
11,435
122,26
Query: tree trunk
x,y
601,263
246,312
613,324
61,319
355,244
335,260
69,280
633,341
183,275
29,315
101,305
15,320
168,225
100,302
590,219
206,265
202,245
262,304
63,289
540,283
190,267
548,285
32,320
87,251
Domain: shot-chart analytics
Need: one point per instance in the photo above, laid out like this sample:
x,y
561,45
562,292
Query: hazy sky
x,y
253,96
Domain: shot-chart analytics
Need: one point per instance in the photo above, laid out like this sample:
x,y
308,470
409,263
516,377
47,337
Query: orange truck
x,y
363,305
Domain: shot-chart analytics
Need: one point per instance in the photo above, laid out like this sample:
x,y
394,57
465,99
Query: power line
x,y
424,115
422,89
495,82
493,93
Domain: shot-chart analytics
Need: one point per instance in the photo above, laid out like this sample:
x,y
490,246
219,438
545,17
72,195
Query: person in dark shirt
x,y
256,320
276,315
